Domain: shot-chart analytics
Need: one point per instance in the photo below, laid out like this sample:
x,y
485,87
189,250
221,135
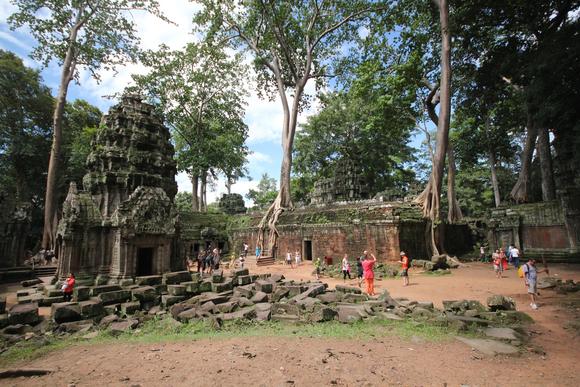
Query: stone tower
x,y
123,223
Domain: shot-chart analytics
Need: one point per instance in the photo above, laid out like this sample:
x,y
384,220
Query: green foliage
x,y
265,194
183,202
25,129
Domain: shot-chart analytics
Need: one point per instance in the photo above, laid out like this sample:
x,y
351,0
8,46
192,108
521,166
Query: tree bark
x,y
202,196
454,213
543,146
521,189
50,205
494,182
194,197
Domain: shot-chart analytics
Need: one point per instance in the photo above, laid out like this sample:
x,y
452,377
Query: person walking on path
x,y
345,268
504,262
246,248
359,270
531,280
369,274
497,266
404,268
317,266
289,259
482,253
258,252
515,254
68,287
298,258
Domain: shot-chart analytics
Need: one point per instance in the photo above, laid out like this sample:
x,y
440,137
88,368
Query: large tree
x,y
292,42
77,34
198,90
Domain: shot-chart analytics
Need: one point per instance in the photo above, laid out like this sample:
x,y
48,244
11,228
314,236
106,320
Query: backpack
x,y
521,272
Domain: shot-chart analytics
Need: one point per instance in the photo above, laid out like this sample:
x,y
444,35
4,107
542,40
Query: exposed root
x,y
269,221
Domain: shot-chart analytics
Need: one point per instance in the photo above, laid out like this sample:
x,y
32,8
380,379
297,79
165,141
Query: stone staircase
x,y
45,271
265,259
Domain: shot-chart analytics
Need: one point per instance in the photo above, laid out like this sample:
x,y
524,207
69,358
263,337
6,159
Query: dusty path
x,y
274,361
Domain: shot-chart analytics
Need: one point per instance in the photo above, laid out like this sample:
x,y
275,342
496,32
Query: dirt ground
x,y
274,361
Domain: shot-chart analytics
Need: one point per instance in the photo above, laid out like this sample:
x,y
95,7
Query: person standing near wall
x,y
368,265
298,257
345,268
258,252
404,268
68,287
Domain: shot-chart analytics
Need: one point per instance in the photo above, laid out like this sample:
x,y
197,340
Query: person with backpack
x,y
404,268
68,287
529,273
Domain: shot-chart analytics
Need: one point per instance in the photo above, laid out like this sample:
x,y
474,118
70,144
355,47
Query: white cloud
x,y
259,157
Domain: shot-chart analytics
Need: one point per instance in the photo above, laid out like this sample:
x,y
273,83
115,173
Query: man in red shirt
x,y
405,268
369,275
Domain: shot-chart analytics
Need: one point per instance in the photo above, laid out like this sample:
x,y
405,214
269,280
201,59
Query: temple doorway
x,y
308,250
144,261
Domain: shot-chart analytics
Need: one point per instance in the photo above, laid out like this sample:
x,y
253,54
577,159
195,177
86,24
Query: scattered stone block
x,y
81,293
18,329
177,277
119,327
102,279
205,286
112,309
348,289
241,272
144,294
191,287
31,282
330,297
187,315
105,321
130,307
467,320
23,293
66,312
502,333
4,320
286,318
168,299
176,290
244,291
91,309
264,286
499,302
355,298
463,305
225,286
349,313
160,289
322,313
114,297
217,276
48,301
24,314
125,282
246,313
196,277
31,298
263,311
285,308
104,289
76,326
51,291
259,297
280,293
149,280
390,316
244,280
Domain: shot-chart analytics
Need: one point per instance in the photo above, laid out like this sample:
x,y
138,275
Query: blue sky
x,y
264,118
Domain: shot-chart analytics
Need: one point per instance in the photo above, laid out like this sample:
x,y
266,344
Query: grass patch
x,y
166,330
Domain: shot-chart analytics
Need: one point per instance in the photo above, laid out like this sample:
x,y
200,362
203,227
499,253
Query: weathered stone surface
x,y
226,307
144,294
149,280
35,297
276,278
52,292
187,315
489,347
280,293
499,302
217,276
104,289
31,282
81,293
330,297
312,291
2,304
48,301
348,289
213,297
196,277
287,318
349,313
502,333
24,292
421,313
259,297
279,308
76,326
205,286
168,299
112,309
176,277
355,298
18,329
191,287
66,312
264,286
263,311
24,314
241,272
463,305
390,316
119,327
244,291
160,289
467,320
222,287
248,312
126,282
130,307
244,280
322,313
4,320
91,309
107,320
176,290
114,297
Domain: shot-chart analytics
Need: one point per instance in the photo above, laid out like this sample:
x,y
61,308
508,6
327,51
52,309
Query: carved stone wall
x,y
124,221
347,184
14,231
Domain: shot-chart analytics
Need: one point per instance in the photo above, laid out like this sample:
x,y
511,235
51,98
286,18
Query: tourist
x,y
258,252
482,253
345,268
369,274
504,263
317,266
208,261
289,259
246,248
242,260
189,265
68,287
404,268
216,258
298,258
200,262
497,266
515,254
531,280
359,271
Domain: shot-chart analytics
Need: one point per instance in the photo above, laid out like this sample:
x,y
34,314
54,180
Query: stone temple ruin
x,y
123,223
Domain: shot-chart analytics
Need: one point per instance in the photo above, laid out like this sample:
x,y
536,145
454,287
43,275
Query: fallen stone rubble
x,y
184,297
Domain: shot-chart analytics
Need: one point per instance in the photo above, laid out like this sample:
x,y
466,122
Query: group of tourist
x,y
501,260
293,260
208,260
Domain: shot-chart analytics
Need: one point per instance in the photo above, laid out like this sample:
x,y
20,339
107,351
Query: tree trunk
x,y
202,188
454,213
548,186
521,189
50,204
194,197
229,185
494,182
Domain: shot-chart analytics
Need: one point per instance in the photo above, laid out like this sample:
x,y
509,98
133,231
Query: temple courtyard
x,y
365,353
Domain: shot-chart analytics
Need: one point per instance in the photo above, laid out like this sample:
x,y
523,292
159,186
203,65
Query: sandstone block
x,y
66,312
176,290
91,309
264,286
191,287
176,277
48,301
130,307
24,314
114,297
95,291
144,294
149,280
169,300
259,297
81,293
